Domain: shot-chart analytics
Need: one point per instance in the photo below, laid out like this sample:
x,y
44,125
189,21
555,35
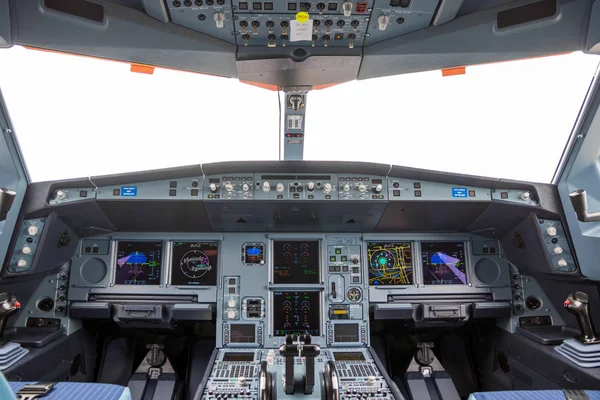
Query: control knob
x,y
245,187
219,19
280,188
525,196
241,380
371,380
310,186
32,230
551,231
231,314
327,188
562,263
212,187
60,195
346,187
26,250
229,187
558,250
378,188
231,303
21,263
266,187
362,188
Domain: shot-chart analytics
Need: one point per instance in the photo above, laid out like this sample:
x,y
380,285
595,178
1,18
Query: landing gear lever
x,y
8,306
578,304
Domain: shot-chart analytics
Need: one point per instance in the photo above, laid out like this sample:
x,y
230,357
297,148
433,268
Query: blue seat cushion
x,y
529,395
80,391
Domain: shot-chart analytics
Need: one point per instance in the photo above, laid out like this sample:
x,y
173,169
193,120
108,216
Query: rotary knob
x,y
32,230
21,263
525,196
266,187
280,188
378,188
212,187
346,187
245,187
362,188
231,314
231,303
562,263
241,380
327,187
371,380
558,250
310,186
26,250
551,231
60,195
229,187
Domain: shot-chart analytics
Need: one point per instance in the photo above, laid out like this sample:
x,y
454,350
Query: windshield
x,y
77,116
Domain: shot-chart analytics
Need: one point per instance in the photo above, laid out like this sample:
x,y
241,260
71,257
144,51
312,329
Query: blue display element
x,y
129,191
459,192
253,251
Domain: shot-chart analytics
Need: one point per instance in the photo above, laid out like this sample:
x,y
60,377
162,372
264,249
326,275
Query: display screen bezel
x,y
232,329
319,296
414,262
345,325
466,260
115,259
175,264
273,249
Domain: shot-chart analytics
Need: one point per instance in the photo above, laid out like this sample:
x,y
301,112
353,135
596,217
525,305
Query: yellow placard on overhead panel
x,y
302,17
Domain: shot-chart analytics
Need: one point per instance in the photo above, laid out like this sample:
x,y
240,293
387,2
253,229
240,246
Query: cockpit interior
x,y
292,278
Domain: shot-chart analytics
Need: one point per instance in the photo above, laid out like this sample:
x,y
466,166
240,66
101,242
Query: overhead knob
x,y
212,187
229,187
60,195
362,188
562,263
383,22
551,231
310,186
231,314
21,263
346,187
26,250
231,303
378,188
525,196
266,187
280,188
32,230
327,187
219,19
558,250
245,187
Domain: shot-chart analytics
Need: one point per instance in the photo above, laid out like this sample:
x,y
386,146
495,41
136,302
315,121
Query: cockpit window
x,y
77,116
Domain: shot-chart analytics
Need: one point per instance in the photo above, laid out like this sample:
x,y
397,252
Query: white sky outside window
x,y
77,117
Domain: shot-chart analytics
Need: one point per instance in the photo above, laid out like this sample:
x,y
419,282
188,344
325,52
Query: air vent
x,y
527,13
77,8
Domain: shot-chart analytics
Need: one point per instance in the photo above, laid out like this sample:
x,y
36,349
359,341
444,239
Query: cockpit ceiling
x,y
289,43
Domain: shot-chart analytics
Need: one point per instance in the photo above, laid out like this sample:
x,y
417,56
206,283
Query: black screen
x,y
348,356
345,333
390,263
444,263
194,263
238,357
296,313
296,262
242,333
138,263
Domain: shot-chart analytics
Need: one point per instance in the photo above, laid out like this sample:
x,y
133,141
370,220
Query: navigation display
x,y
390,263
194,263
242,333
444,263
296,313
138,263
343,333
296,262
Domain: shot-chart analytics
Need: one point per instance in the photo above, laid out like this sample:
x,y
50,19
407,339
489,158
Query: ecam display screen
x,y
242,333
138,263
296,313
195,263
390,263
444,263
296,262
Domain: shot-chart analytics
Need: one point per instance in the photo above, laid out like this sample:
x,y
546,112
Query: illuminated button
x,y
332,258
32,230
338,251
344,258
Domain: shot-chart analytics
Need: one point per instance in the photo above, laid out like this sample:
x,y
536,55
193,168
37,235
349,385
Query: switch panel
x,y
211,17
361,187
557,246
234,187
26,245
69,195
231,298
253,308
295,187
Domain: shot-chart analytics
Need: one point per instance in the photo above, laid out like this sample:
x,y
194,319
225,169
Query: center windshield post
x,y
293,122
